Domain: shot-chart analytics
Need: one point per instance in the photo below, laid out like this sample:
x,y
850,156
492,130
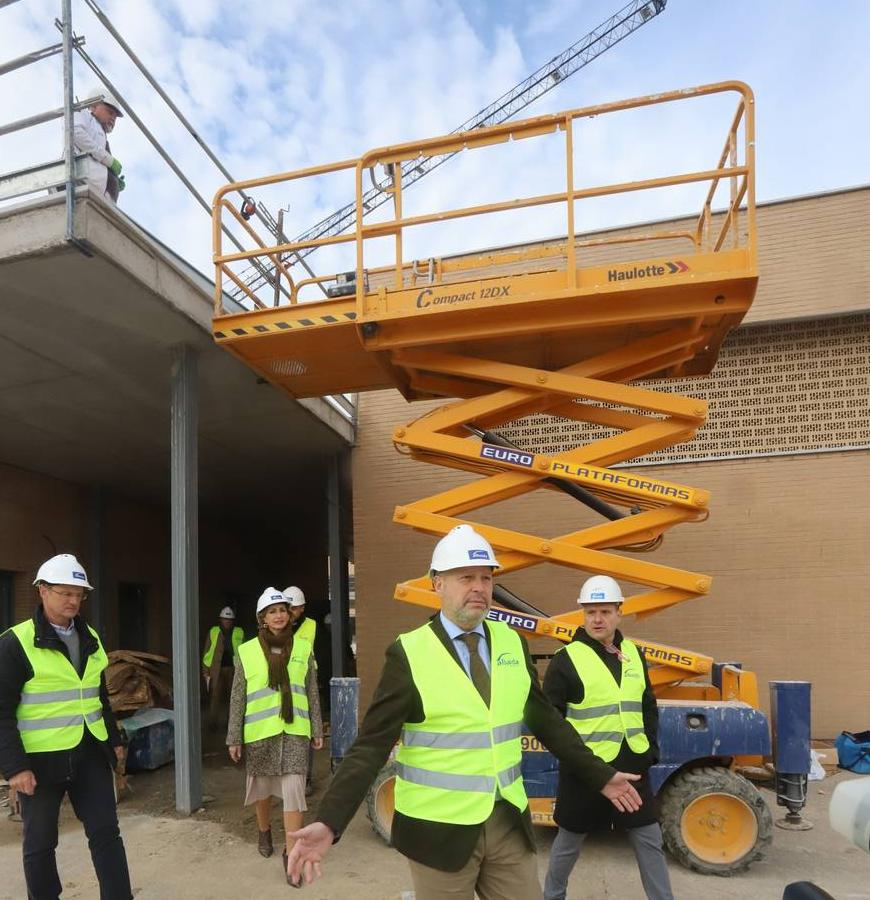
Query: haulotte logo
x,y
650,271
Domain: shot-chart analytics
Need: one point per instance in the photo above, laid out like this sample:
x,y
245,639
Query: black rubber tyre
x,y
715,821
380,804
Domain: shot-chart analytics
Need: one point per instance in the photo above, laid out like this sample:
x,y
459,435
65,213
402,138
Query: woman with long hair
x,y
274,716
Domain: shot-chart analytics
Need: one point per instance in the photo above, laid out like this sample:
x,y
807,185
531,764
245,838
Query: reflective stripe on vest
x,y
610,712
262,704
450,765
237,638
57,703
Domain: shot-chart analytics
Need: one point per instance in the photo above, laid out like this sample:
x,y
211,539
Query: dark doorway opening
x,y
7,600
132,616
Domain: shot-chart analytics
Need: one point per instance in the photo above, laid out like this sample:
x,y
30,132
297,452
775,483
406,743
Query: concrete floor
x,y
213,855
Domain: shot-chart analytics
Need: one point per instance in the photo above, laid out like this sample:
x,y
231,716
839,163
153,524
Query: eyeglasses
x,y
68,595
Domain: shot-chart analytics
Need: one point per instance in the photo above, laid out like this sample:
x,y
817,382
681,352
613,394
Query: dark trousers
x,y
93,801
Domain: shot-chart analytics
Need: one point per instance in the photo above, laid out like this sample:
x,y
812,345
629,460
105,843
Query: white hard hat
x,y
268,598
226,613
462,546
294,596
600,589
106,97
63,569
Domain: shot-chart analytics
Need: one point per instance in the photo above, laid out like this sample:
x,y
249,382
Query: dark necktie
x,y
479,672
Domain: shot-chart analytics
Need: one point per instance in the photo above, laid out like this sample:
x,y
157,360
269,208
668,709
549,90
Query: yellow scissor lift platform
x,y
560,328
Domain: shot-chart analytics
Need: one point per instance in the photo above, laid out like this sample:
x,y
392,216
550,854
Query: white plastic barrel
x,y
849,812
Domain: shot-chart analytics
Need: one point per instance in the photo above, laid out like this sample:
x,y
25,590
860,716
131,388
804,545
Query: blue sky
x,y
274,86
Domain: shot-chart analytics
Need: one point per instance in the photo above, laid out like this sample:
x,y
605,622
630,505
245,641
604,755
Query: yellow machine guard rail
x,y
563,340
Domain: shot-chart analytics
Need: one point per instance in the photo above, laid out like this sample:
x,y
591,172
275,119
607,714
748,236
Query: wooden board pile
x,y
138,680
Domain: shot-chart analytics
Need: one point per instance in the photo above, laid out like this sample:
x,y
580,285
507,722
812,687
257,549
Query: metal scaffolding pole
x,y
338,587
69,150
185,579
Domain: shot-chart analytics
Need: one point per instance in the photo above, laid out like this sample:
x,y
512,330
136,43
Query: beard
x,y
470,617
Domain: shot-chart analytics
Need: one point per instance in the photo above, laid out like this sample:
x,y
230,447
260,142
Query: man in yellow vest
x,y
456,692
221,645
58,734
599,682
303,626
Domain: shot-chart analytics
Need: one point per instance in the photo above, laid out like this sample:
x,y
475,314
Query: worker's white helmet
x,y
294,596
226,613
462,546
600,589
63,569
106,97
269,597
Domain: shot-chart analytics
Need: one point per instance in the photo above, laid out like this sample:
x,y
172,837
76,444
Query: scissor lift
x,y
563,329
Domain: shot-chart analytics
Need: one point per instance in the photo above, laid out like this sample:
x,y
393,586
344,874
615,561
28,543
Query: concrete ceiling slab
x,y
86,347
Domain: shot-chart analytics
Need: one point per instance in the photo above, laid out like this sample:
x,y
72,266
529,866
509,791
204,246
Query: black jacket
x,y
577,808
397,701
15,670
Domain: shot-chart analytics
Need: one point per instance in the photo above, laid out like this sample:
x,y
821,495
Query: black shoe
x,y
289,879
264,845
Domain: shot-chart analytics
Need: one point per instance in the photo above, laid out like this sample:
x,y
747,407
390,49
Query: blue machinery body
x,y
690,733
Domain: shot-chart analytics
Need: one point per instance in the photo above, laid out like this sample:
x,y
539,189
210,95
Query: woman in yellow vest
x,y
274,716
599,682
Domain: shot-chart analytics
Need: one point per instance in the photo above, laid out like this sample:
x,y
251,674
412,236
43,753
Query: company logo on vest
x,y
507,659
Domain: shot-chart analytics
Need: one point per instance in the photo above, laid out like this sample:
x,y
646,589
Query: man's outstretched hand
x,y
312,844
621,793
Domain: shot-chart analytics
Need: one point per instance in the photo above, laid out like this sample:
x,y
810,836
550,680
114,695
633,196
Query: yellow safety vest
x,y
450,764
263,704
610,712
307,630
57,703
237,638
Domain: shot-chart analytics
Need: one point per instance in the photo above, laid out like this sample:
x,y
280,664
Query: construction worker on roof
x,y
90,129
456,691
599,682
57,731
221,645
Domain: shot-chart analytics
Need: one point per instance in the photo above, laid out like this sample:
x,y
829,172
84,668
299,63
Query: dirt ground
x,y
213,853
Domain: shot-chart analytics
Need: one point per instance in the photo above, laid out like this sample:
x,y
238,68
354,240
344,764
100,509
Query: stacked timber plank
x,y
138,680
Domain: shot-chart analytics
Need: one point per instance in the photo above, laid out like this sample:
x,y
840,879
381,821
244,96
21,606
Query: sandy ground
x,y
213,854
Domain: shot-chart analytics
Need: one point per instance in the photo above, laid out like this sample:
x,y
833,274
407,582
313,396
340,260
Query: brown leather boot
x,y
264,845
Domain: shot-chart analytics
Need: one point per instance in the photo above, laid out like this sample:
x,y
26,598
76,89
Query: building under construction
x,y
187,477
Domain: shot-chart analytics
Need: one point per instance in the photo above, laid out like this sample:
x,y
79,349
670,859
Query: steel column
x,y
69,150
338,587
185,579
96,568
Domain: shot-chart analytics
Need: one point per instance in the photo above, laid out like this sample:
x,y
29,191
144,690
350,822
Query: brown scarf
x,y
279,680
